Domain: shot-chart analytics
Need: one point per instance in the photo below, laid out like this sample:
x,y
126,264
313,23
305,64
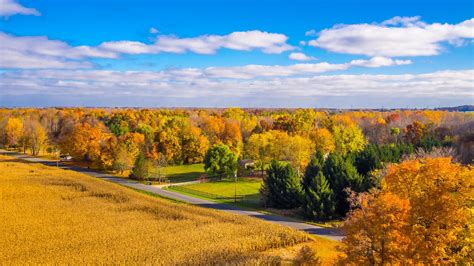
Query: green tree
x,y
341,175
142,168
318,197
220,161
281,188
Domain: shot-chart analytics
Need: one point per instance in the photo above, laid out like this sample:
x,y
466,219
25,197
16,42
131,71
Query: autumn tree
x,y
13,131
323,140
142,168
281,187
126,151
348,139
232,137
194,145
34,136
422,215
259,148
375,232
278,145
88,141
220,161
213,127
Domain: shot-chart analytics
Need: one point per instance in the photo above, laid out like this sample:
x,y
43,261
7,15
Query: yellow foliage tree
x,y
323,140
437,228
13,131
375,233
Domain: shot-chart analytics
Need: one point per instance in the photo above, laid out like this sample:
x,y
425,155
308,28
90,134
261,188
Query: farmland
x,y
50,215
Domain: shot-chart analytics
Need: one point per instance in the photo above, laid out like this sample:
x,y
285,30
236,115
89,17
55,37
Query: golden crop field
x,y
49,215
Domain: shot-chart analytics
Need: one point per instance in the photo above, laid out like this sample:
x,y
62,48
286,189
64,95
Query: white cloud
x,y
399,36
26,48
41,52
11,7
262,71
301,57
379,61
189,83
153,30
311,33
404,21
271,43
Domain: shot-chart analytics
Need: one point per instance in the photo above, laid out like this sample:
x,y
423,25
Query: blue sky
x,y
236,53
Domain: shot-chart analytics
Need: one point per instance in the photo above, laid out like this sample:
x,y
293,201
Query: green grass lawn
x,y
183,173
224,191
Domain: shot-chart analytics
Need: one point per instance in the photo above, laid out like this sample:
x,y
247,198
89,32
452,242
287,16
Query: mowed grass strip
x,y
225,190
183,173
49,215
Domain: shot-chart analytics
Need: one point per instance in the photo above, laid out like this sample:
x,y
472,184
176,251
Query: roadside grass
x,y
226,190
248,197
55,216
183,173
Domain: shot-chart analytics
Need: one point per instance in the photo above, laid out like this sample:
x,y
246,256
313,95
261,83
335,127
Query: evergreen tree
x,y
281,188
318,198
341,174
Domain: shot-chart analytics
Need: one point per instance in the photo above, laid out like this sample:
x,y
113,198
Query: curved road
x,y
311,229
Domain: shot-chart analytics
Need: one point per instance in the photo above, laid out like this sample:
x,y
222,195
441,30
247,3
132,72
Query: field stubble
x,y
50,215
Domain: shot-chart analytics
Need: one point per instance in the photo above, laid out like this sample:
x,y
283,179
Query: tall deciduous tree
x,y
423,215
143,168
323,140
13,131
34,135
348,139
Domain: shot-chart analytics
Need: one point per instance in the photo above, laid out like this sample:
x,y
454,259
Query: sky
x,y
319,54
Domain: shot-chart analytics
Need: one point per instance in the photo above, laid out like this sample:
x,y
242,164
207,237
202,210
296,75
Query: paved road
x,y
311,229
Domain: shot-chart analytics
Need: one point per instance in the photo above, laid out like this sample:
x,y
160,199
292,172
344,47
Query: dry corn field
x,y
49,215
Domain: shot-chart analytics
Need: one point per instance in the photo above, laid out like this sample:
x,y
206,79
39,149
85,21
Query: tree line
x,y
402,179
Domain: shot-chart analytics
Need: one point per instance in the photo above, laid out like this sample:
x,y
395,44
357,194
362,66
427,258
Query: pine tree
x,y
341,175
281,188
318,198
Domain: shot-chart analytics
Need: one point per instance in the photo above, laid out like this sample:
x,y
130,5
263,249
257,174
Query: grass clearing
x,y
53,216
224,191
183,173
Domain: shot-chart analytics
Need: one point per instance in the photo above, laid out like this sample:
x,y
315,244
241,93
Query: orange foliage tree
x,y
423,215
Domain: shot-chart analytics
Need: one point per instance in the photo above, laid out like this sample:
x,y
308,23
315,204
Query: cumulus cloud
x,y
25,48
12,7
301,57
271,43
399,36
41,52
